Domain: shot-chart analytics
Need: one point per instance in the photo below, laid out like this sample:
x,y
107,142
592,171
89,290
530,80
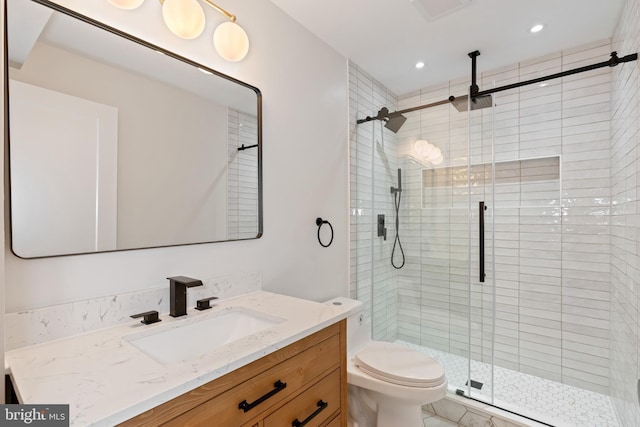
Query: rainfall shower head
x,y
477,101
461,103
393,121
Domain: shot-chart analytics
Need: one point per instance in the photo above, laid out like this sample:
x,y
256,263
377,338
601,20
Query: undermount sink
x,y
192,338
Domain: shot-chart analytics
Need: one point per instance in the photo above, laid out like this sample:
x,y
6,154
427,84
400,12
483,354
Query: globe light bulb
x,y
231,41
184,18
126,4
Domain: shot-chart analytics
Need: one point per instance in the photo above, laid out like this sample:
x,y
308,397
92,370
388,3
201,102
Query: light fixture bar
x,y
231,16
221,10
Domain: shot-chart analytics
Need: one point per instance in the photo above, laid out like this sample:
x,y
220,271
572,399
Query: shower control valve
x,y
382,230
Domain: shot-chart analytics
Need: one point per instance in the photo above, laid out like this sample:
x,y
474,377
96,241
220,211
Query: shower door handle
x,y
481,209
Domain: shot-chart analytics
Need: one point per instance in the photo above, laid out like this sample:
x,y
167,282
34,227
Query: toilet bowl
x,y
387,383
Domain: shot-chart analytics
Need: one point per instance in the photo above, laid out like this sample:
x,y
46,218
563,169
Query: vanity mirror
x,y
117,144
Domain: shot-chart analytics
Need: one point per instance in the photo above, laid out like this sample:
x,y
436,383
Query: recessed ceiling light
x,y
536,28
419,64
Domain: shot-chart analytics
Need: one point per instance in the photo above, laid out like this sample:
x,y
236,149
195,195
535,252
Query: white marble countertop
x,y
106,380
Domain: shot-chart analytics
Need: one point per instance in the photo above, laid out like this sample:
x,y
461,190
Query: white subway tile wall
x,y
373,154
625,220
560,238
242,176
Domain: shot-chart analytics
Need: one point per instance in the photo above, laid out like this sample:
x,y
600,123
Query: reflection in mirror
x,y
115,144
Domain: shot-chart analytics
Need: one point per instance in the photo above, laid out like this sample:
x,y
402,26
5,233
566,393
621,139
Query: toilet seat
x,y
399,365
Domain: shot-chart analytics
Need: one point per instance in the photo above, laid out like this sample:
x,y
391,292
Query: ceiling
x,y
387,37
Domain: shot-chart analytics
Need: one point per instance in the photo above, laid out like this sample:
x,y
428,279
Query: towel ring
x,y
319,223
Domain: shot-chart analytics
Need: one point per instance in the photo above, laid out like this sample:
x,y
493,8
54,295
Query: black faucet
x,y
178,294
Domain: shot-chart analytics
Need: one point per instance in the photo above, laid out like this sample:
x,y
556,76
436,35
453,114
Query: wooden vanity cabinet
x,y
304,382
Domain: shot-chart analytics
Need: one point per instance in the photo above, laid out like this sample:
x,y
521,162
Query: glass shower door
x,y
515,316
480,273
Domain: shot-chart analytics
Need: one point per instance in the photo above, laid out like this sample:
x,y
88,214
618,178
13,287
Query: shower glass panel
x,y
480,251
435,303
515,314
374,171
385,175
427,303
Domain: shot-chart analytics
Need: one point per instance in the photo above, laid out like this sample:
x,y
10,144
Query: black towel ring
x,y
319,223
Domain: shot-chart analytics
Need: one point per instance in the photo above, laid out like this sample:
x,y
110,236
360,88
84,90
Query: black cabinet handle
x,y
277,386
481,208
321,406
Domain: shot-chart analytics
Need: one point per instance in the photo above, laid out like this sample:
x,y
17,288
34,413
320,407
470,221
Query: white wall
x,y
304,88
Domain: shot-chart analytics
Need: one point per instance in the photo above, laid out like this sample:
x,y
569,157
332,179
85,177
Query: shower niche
x,y
519,183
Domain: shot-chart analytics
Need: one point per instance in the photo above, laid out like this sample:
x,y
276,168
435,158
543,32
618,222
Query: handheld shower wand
x,y
397,193
398,189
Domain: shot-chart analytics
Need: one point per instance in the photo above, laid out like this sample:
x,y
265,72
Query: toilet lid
x,y
399,365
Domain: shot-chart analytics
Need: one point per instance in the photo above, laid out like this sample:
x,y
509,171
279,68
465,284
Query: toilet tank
x,y
358,327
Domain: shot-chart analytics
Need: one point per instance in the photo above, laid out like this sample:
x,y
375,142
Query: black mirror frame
x,y
98,24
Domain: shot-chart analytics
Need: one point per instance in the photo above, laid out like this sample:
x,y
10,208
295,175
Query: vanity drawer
x,y
318,404
264,390
334,422
302,365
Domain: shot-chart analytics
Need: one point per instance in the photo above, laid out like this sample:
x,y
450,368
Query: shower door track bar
x,y
407,110
461,393
612,62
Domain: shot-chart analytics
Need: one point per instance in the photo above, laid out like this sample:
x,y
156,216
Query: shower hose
x,y
396,242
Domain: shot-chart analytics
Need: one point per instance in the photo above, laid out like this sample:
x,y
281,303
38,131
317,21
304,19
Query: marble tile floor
x,y
431,420
557,404
450,412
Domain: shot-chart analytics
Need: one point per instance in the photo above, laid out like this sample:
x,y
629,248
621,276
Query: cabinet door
x,y
313,407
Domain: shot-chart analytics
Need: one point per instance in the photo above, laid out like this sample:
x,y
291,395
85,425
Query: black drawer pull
x,y
277,386
321,406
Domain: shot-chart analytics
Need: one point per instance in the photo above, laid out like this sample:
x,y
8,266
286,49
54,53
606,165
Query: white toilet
x,y
387,383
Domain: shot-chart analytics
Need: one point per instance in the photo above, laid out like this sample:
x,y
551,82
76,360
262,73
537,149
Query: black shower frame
x,y
475,92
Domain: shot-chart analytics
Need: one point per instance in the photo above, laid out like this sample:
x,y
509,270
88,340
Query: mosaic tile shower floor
x,y
557,404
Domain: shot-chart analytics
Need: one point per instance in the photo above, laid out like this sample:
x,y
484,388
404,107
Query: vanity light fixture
x,y
186,19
